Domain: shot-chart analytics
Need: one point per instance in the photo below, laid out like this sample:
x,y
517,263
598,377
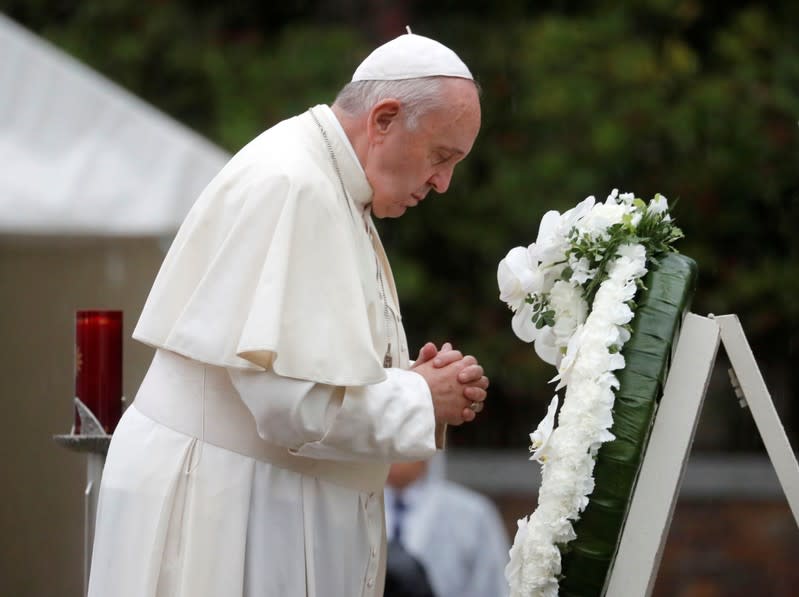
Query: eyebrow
x,y
453,150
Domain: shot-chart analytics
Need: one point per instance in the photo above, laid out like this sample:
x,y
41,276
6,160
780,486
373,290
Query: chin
x,y
395,211
389,215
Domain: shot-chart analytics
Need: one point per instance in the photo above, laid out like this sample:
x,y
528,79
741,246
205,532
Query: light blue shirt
x,y
456,533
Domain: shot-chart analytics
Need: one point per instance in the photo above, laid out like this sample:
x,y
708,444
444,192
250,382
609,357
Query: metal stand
x,y
651,508
94,442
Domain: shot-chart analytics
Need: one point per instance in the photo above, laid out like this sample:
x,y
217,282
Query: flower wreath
x,y
579,294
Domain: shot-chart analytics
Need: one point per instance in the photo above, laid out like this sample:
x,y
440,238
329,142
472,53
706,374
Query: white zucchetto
x,y
411,56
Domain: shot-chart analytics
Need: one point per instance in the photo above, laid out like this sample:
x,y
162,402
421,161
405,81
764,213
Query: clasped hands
x,y
456,382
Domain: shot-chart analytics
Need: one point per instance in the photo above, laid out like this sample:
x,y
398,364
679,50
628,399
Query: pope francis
x,y
253,458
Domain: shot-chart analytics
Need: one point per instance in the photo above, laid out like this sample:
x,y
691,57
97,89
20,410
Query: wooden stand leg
x,y
651,508
751,385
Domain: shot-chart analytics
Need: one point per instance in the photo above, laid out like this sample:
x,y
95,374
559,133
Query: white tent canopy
x,y
79,155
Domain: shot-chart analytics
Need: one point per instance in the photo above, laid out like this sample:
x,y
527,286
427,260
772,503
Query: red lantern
x,y
98,365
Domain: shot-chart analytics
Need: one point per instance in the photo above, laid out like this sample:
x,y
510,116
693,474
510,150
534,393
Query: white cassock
x,y
455,533
253,459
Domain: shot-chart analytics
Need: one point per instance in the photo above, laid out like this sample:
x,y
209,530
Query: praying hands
x,y
457,383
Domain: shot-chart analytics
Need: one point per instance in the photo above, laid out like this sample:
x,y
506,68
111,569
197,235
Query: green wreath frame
x,y
662,304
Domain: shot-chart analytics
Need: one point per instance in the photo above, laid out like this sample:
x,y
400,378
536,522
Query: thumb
x,y
427,352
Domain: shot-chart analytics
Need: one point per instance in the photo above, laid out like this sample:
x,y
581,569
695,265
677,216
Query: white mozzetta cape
x,y
273,270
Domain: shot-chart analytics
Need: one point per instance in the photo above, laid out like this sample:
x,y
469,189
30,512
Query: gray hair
x,y
417,96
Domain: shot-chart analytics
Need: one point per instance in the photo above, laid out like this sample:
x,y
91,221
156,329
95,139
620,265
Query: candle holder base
x,y
92,438
94,442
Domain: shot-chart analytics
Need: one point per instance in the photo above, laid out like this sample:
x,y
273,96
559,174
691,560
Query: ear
x,y
383,116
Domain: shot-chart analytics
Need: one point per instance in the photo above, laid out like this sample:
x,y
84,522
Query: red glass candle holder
x,y
98,365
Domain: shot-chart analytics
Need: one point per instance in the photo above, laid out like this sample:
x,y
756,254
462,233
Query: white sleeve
x,y
391,420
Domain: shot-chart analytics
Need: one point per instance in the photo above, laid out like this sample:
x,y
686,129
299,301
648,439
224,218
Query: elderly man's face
x,y
404,165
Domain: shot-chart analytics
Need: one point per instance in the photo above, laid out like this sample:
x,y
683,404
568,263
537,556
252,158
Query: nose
x,y
440,180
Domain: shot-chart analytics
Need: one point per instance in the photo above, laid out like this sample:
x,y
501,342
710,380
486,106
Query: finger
x,y
474,394
447,358
468,361
426,352
477,404
468,415
470,374
446,346
481,383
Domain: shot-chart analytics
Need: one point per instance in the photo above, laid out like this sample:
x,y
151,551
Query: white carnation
x,y
601,217
581,270
570,308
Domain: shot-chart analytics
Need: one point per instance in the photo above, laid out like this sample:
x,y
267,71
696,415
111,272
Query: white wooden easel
x,y
638,557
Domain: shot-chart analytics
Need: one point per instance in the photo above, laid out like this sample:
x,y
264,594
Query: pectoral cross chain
x,y
387,360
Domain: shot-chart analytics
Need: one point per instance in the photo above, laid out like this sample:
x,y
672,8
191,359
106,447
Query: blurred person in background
x,y
453,535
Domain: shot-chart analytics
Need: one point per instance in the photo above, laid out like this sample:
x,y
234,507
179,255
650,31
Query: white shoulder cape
x,y
273,267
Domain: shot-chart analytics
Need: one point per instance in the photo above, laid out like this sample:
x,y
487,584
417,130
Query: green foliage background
x,y
698,100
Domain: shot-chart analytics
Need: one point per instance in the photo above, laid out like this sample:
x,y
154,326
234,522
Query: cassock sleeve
x,y
391,420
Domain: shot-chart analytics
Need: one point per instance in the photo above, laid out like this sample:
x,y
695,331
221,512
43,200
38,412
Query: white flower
x,y
553,233
545,346
616,313
658,205
570,308
592,338
633,252
539,438
522,323
513,570
633,260
579,211
551,244
601,217
567,362
518,277
581,270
